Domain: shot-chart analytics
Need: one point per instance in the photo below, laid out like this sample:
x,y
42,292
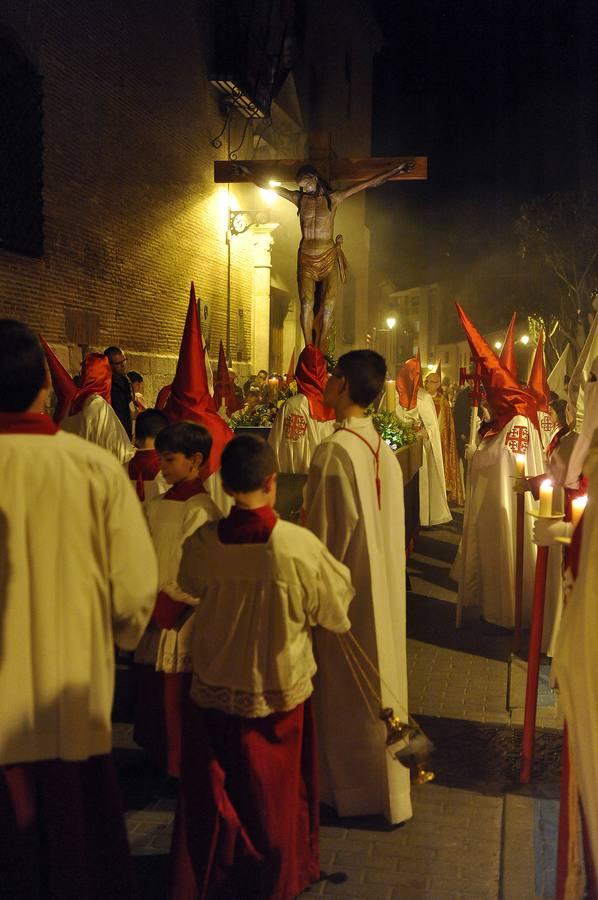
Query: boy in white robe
x,y
145,465
247,818
164,652
303,421
354,503
78,574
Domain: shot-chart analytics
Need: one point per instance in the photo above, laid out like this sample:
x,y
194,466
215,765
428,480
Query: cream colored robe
x,y
433,505
170,523
485,564
78,573
358,777
295,435
575,663
97,422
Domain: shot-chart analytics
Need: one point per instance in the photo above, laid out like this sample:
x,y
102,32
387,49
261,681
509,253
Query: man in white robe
x,y
485,565
413,402
303,421
354,504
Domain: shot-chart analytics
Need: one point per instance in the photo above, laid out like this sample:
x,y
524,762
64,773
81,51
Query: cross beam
x,y
344,170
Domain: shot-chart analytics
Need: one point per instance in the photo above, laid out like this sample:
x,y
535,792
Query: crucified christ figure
x,y
320,260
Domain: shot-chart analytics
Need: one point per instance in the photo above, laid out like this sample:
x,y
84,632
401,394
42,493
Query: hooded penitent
x,y
409,380
96,378
507,354
190,398
64,386
505,396
538,382
223,386
311,376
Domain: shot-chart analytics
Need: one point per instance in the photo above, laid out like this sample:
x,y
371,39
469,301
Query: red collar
x,y
247,526
184,490
26,423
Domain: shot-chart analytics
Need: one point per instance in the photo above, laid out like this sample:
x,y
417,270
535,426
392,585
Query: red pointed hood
x,y
190,398
507,354
311,375
291,370
538,381
96,378
409,380
223,386
163,395
504,394
439,370
64,386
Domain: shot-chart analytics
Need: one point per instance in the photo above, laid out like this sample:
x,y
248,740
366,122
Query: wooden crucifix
x,y
321,261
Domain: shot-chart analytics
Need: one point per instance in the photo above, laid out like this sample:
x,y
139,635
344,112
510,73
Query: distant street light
x,y
524,339
391,321
497,345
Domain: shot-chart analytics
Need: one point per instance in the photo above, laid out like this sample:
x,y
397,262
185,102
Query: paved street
x,y
475,832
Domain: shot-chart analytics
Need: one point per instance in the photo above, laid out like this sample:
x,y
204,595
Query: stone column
x,y
262,264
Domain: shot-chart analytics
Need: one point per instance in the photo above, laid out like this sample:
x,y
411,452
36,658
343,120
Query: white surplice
x,y
575,664
97,422
433,505
358,777
295,435
485,564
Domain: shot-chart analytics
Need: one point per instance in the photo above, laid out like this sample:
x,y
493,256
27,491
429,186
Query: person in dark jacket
x,y
122,390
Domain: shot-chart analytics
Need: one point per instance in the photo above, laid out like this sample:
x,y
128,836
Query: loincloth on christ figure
x,y
319,266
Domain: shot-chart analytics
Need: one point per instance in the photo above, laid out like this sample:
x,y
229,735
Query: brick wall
x,y
131,212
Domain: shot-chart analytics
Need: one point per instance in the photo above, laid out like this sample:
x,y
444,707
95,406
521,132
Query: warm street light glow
x,y
391,321
525,339
269,196
274,184
497,345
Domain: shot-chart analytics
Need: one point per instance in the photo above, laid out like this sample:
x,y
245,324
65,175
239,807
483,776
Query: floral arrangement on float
x,y
395,431
263,415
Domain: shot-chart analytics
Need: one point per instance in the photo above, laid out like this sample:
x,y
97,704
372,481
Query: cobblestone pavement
x,y
475,831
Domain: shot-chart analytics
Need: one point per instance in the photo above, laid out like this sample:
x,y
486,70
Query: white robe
x,y
575,664
97,422
295,435
485,565
358,777
171,522
78,574
433,505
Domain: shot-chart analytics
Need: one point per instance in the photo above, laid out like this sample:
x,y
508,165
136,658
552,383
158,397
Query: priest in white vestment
x,y
413,402
485,566
354,504
303,421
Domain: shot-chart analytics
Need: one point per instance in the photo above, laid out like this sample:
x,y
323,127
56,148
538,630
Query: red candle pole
x,y
518,570
533,667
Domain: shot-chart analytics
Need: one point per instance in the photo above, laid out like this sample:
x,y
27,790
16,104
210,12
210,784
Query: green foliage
x,y
395,431
263,415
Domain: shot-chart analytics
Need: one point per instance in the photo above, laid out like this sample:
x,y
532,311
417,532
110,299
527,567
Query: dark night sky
x,y
503,98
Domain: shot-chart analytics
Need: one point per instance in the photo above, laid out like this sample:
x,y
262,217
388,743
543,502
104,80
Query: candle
x,y
545,498
273,387
520,465
578,504
391,399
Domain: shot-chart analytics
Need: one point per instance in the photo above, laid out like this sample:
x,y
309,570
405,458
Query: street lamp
x,y
497,345
524,339
391,321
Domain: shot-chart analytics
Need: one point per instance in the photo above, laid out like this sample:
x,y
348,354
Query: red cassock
x,y
145,463
247,823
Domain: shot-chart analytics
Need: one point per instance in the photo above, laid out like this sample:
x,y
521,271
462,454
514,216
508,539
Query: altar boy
x,y
354,504
247,819
164,652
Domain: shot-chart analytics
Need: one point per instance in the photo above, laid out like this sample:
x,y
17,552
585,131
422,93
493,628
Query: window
x,y
21,148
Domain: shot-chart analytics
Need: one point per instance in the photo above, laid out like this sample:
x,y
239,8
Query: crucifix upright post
x,y
321,261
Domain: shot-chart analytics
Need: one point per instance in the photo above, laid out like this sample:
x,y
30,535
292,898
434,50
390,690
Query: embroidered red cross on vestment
x,y
545,423
295,427
518,439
